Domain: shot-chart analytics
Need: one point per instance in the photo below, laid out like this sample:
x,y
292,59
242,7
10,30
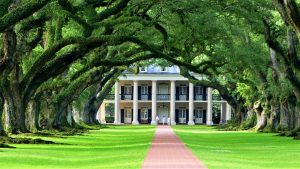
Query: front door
x,y
198,116
182,116
144,115
128,115
163,113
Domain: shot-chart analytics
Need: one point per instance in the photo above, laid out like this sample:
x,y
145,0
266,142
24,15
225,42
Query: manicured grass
x,y
120,147
240,150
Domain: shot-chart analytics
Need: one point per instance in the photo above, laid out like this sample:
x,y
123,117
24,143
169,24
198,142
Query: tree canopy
x,y
59,54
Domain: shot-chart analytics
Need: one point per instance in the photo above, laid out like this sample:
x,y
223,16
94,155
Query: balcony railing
x,y
126,97
182,97
163,96
200,97
145,97
215,97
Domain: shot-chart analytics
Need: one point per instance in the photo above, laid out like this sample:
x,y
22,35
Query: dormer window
x,y
163,69
143,69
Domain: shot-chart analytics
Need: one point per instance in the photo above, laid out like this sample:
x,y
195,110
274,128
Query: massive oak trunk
x,y
32,115
274,119
260,116
61,117
2,132
14,113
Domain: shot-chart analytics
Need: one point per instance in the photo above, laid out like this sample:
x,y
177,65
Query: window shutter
x,y
195,92
122,115
187,93
122,93
131,115
139,115
204,93
139,92
177,93
187,116
149,92
149,115
204,116
131,93
177,116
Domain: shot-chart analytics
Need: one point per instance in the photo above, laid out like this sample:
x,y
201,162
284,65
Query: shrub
x,y
110,119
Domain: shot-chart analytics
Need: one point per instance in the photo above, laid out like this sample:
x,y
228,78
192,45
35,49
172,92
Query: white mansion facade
x,y
163,92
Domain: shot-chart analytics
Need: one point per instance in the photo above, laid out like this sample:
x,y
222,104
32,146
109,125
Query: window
x,y
199,113
182,113
182,90
144,90
163,69
128,89
199,90
143,69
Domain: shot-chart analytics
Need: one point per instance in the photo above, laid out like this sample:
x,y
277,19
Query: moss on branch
x,y
21,13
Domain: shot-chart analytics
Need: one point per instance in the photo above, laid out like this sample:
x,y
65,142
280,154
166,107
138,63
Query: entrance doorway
x,y
163,112
128,115
144,115
198,116
182,116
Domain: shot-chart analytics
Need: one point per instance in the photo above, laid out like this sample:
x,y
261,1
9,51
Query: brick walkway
x,y
168,152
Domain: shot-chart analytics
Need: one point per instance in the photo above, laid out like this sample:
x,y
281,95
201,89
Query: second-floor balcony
x,y
126,97
163,96
182,97
200,97
145,97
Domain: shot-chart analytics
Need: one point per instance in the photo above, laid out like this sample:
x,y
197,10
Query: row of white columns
x,y
172,104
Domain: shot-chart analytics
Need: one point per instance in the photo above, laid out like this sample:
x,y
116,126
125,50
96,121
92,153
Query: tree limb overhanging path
x,y
168,152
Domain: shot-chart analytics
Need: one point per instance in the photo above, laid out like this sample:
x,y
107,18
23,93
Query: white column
x,y
102,114
172,102
154,103
117,103
209,107
191,104
135,103
228,112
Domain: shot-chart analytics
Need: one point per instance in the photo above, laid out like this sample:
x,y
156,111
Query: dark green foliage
x,y
109,119
2,145
10,140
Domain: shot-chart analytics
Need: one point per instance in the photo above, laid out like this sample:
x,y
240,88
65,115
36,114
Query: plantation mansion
x,y
163,92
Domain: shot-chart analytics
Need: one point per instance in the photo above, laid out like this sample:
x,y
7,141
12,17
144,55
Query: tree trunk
x,y
292,108
274,119
2,132
261,117
32,116
10,116
237,113
61,117
297,117
89,110
284,115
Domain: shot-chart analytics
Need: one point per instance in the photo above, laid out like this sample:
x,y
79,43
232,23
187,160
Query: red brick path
x,y
168,152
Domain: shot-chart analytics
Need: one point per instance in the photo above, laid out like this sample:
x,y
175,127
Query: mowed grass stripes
x,y
115,147
240,150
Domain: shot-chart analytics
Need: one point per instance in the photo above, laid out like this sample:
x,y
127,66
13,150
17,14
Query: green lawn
x,y
240,150
117,147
